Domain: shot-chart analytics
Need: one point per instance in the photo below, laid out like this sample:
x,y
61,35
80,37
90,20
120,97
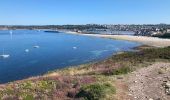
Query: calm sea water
x,y
57,50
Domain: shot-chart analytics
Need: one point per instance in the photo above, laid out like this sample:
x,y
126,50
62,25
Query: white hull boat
x,y
4,56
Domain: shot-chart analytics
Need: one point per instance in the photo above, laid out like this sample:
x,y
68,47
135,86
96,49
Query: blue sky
x,y
42,12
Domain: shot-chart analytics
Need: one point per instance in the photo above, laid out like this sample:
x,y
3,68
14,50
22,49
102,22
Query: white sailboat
x,y
4,55
11,33
36,46
27,50
74,48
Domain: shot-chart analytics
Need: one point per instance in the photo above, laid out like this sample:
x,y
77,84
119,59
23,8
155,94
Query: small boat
x,y
36,46
38,30
4,55
27,50
74,47
11,33
52,31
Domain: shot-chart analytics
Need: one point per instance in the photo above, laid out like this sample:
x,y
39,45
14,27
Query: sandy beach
x,y
151,41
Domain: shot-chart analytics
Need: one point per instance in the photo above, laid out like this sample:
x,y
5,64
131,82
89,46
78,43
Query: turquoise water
x,y
57,50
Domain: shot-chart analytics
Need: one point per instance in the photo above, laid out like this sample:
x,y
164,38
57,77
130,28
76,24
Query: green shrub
x,y
8,91
117,71
46,84
26,85
96,91
1,95
122,70
28,97
146,55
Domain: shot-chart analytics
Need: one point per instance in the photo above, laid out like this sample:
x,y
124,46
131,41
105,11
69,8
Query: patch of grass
x,y
26,85
146,55
122,70
29,97
96,91
8,91
130,61
1,95
29,90
117,71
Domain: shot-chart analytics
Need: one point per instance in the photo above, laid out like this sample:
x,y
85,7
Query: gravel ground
x,y
147,83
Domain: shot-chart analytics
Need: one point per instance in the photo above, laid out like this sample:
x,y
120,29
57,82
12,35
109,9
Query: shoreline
x,y
116,37
51,73
74,33
151,41
114,71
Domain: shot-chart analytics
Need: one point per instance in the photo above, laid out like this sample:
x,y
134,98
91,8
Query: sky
x,y
60,12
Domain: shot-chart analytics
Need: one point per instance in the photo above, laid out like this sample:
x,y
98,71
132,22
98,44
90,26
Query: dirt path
x,y
147,83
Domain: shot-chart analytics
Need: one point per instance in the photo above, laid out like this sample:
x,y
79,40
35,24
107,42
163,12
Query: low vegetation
x,y
90,82
96,91
166,35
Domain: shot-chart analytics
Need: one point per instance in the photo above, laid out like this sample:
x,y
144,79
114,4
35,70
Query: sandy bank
x,y
151,41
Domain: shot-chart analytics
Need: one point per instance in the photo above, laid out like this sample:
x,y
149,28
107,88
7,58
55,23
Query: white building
x,y
153,33
168,30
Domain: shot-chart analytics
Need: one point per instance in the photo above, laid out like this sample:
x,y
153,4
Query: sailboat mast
x,y
3,51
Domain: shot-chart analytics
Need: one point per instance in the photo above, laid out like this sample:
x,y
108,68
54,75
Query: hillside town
x,y
157,30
